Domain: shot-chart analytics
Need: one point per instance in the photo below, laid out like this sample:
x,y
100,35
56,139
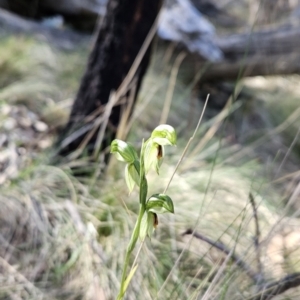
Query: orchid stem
x,y
136,230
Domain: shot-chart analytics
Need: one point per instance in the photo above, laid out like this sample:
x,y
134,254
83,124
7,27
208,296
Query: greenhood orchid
x,y
161,136
136,169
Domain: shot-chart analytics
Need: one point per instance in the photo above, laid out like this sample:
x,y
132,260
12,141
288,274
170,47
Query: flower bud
x,y
124,152
164,135
148,225
153,157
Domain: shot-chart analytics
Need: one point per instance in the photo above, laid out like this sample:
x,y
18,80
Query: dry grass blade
x,y
125,122
108,108
170,91
172,176
188,144
217,277
237,260
20,279
257,239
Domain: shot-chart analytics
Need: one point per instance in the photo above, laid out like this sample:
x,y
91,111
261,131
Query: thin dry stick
x,y
85,128
288,152
281,218
171,87
169,52
285,177
112,101
99,111
218,275
213,129
220,246
175,170
257,238
137,255
75,135
123,127
93,115
146,100
157,86
187,145
86,139
275,288
262,140
196,275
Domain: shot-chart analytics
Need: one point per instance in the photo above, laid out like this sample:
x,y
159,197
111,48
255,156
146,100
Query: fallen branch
x,y
275,288
266,291
220,246
273,51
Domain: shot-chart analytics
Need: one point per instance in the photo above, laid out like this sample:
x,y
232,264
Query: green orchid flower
x,y
126,152
161,136
156,204
123,151
148,224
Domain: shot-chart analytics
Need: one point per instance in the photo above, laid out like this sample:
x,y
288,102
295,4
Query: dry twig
x,y
256,239
275,288
266,291
220,246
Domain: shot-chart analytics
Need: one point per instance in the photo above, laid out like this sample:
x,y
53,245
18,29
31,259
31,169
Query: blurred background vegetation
x,y
64,236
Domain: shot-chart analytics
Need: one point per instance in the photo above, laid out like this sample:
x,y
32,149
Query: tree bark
x,y
119,40
273,51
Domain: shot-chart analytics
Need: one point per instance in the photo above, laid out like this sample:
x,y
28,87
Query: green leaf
x,y
124,151
128,178
132,177
160,203
164,135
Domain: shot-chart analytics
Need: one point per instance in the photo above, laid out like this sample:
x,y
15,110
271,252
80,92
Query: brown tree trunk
x,y
119,40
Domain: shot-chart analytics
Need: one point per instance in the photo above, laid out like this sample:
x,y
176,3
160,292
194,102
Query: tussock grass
x,y
39,76
66,240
